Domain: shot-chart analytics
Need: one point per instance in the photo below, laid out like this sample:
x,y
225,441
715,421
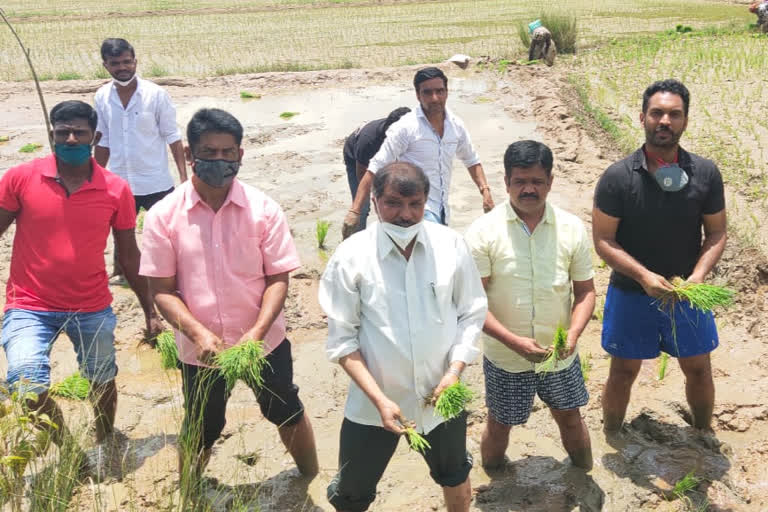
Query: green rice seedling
x,y
702,296
453,400
321,230
586,366
30,147
686,484
524,34
140,219
288,115
558,345
564,30
248,95
663,361
169,352
416,441
74,387
243,361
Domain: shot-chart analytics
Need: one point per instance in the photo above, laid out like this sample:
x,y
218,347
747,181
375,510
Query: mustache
x,y
529,196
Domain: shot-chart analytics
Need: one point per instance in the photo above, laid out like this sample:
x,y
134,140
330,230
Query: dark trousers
x,y
353,183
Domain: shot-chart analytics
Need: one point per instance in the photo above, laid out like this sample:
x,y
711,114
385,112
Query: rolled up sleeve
x,y
465,150
339,297
581,263
167,119
471,306
158,257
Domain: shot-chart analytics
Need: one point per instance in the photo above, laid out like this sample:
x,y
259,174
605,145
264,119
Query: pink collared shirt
x,y
220,259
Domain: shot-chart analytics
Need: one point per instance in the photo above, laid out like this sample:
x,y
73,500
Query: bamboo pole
x,y
25,50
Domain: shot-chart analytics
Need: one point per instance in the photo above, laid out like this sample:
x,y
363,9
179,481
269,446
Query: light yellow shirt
x,y
529,290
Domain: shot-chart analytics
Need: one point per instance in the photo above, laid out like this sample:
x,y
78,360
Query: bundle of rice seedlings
x,y
169,352
663,365
416,441
702,296
74,387
243,361
321,231
558,346
453,400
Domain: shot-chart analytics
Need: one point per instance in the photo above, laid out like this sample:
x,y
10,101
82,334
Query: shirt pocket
x,y
245,258
146,124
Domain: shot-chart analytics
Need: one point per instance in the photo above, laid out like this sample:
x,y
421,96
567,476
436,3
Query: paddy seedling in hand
x,y
556,350
243,361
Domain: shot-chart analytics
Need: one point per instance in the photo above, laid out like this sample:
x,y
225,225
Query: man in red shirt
x,y
64,206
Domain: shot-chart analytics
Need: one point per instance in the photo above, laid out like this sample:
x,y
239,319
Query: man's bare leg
x,y
699,389
493,444
48,406
575,436
299,440
104,399
617,390
457,499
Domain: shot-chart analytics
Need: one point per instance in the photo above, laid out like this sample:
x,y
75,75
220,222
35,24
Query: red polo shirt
x,y
58,251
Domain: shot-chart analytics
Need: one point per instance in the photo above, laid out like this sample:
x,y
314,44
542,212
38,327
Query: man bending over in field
x,y
647,223
64,206
217,253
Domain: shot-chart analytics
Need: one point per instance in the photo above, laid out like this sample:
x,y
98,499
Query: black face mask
x,y
216,173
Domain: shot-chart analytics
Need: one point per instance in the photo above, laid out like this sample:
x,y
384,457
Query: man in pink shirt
x,y
218,253
64,206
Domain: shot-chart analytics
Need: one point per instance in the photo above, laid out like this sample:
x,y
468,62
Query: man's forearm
x,y
176,313
711,251
355,366
177,150
139,284
496,329
363,191
581,313
478,176
360,171
272,303
620,260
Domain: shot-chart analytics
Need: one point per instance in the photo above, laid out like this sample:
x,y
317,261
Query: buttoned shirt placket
x,y
125,115
218,262
411,294
440,167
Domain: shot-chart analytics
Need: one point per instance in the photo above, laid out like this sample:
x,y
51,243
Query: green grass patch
x,y
4,138
563,27
166,347
288,115
30,147
555,352
243,361
453,400
156,71
248,95
74,387
686,484
321,232
586,366
69,75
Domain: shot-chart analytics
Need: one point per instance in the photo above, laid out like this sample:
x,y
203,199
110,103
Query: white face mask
x,y
400,235
126,83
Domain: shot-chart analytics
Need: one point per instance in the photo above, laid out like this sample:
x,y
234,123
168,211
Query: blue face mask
x,y
73,155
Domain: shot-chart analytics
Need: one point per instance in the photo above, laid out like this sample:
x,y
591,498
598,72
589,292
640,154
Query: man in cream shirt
x,y
530,255
403,323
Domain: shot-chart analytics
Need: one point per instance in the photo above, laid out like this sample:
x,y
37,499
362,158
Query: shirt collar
x,y
236,195
385,245
96,182
549,213
683,160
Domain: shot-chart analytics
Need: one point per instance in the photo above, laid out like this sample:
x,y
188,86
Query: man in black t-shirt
x,y
359,148
647,225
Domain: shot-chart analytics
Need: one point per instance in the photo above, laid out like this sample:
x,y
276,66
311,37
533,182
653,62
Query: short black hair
x,y
207,120
391,119
668,85
407,179
525,154
429,73
115,47
74,109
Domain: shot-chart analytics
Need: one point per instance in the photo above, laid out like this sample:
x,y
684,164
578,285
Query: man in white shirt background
x,y
403,324
136,121
428,137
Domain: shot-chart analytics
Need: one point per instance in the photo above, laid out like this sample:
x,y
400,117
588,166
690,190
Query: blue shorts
x,y
509,396
636,326
28,336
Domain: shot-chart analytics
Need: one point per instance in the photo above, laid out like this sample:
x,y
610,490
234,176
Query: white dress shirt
x,y
412,139
138,134
409,318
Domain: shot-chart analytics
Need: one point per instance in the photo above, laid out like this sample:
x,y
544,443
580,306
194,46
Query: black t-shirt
x,y
662,230
363,144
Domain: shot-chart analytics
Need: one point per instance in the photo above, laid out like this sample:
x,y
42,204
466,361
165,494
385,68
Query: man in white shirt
x,y
403,324
428,137
136,121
